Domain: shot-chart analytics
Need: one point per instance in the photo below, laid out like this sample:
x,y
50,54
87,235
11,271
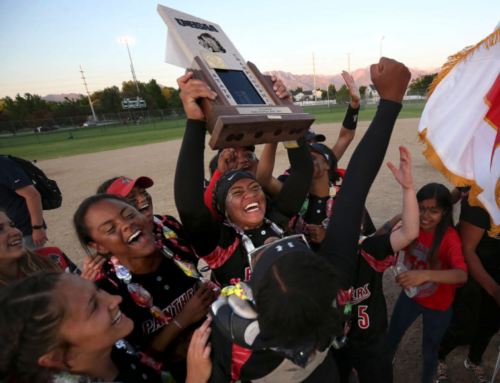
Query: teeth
x,y
117,317
251,205
134,236
144,207
14,243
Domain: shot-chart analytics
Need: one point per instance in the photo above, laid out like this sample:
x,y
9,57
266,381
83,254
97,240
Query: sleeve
x,y
294,191
12,176
340,245
72,268
379,247
454,251
474,215
209,192
200,225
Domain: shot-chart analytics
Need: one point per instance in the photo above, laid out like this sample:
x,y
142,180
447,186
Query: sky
x,y
43,43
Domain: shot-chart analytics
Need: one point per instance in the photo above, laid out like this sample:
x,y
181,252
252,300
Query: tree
x,y
299,89
332,91
154,90
111,100
324,95
362,89
343,94
422,82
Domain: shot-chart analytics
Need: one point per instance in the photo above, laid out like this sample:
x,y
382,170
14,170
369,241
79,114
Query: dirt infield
x,y
79,176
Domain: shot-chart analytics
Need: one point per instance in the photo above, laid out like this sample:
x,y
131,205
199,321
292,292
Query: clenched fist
x,y
391,79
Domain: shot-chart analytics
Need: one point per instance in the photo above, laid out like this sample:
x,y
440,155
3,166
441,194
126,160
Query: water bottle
x,y
400,268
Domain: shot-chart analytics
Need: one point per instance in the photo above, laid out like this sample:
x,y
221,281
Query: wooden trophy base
x,y
242,125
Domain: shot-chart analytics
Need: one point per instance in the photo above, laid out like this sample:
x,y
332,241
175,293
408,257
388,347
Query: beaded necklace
x,y
247,242
141,296
300,224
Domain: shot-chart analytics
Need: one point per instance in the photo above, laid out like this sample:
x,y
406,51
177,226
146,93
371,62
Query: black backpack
x,y
48,189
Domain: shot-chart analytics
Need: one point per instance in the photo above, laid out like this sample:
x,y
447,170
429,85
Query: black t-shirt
x,y
13,177
169,286
132,370
229,260
488,249
369,318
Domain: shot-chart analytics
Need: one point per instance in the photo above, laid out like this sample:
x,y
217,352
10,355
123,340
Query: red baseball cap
x,y
123,185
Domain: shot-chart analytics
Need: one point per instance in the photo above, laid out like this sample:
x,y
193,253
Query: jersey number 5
x,y
364,319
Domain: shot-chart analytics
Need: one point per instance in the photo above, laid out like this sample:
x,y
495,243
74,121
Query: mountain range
x,y
292,81
361,77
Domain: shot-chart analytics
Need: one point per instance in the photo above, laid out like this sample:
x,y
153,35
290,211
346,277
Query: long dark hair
x,y
30,319
82,230
442,195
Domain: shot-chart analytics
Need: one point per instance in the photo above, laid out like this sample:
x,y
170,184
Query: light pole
x,y
381,39
125,40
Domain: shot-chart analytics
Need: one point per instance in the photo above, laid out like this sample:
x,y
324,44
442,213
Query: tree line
x,y
108,100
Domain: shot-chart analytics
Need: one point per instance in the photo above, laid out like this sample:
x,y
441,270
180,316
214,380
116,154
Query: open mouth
x,y
246,168
15,243
137,239
144,208
118,318
252,207
425,222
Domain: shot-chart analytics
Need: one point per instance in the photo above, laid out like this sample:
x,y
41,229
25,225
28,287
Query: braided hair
x,y
30,319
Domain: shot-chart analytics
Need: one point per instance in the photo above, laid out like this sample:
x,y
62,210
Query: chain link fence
x,y
28,132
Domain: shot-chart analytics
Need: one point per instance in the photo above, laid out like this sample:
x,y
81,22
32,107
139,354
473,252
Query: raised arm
x,y
200,225
411,219
265,170
350,123
340,245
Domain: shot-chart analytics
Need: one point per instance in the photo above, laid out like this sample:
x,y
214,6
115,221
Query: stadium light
x,y
127,40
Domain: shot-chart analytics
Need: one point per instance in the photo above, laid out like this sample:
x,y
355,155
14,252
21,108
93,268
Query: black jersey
x,y
488,249
170,288
368,301
229,261
133,370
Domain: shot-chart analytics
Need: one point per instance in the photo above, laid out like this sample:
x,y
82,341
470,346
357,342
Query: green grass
x,y
57,144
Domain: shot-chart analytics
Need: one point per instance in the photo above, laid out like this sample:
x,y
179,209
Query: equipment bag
x,y
48,189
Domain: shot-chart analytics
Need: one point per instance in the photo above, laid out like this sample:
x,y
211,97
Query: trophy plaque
x,y
246,111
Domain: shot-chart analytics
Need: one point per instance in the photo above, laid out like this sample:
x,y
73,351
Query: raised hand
x,y
391,79
227,160
316,233
403,174
199,364
91,266
192,90
353,89
280,89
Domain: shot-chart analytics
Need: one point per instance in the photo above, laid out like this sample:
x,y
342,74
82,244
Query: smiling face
x,y
92,317
142,201
321,166
11,239
430,214
246,160
118,228
246,203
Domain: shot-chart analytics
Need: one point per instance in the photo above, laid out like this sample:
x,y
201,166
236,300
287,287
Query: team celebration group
x,y
262,279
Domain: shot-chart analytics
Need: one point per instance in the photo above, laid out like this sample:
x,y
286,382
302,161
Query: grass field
x,y
43,146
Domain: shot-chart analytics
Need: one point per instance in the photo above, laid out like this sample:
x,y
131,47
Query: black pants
x,y
371,360
476,319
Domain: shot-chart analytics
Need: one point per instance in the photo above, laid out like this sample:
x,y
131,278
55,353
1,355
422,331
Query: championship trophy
x,y
247,110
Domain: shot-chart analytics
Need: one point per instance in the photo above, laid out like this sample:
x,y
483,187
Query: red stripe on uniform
x,y
219,256
239,357
377,265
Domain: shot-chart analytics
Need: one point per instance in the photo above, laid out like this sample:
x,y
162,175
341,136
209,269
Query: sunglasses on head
x,y
284,242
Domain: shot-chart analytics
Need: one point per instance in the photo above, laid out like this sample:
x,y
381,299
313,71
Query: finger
x,y
273,78
205,325
201,289
181,81
392,167
99,264
204,338
208,351
277,84
281,89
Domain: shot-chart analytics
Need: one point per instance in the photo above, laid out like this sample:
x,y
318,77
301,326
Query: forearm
x,y
340,245
295,189
266,164
34,204
345,138
477,271
449,277
410,217
164,339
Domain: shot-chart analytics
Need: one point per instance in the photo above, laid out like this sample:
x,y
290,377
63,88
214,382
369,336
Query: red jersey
x,y
437,296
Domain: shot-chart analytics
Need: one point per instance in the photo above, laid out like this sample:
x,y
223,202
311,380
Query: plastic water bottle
x,y
400,268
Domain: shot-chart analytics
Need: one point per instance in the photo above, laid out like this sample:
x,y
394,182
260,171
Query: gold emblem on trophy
x,y
214,61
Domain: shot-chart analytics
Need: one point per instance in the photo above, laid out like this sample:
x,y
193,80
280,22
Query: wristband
x,y
177,324
351,118
387,226
37,227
